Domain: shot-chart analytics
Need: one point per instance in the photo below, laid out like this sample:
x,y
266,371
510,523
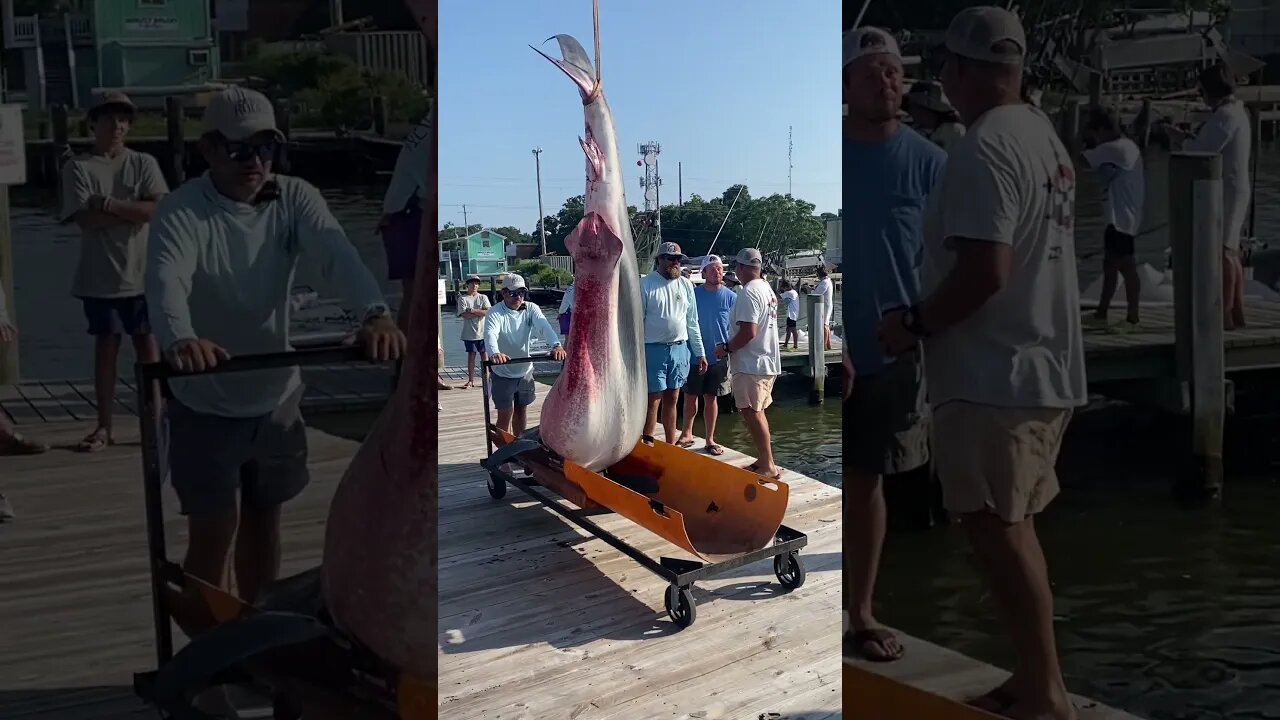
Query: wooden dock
x,y
76,600
931,683
539,620
330,388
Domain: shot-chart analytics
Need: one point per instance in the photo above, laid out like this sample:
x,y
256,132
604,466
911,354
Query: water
x,y
1168,613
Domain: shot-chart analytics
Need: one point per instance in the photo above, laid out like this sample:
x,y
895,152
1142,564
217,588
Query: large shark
x,y
594,415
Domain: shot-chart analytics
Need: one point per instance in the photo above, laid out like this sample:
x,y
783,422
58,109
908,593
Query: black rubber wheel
x,y
497,487
789,569
681,607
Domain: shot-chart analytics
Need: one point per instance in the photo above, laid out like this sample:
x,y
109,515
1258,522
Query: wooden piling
x,y
8,351
1071,126
1195,231
173,116
380,115
283,122
61,143
817,350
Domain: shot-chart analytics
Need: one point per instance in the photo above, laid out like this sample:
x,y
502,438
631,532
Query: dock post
x,y
1071,126
177,141
8,351
380,115
61,139
817,350
283,123
1195,231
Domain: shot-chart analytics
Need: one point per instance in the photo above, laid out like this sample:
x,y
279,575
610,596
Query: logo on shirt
x,y
1062,194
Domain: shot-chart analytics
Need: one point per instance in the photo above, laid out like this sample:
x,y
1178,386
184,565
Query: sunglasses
x,y
670,258
522,292
245,151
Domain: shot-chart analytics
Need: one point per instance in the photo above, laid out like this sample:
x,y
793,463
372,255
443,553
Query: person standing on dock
x,y
1119,161
11,441
1001,326
111,193
566,311
224,249
825,289
401,222
890,171
754,355
714,302
791,301
472,307
509,329
1228,133
671,337
933,115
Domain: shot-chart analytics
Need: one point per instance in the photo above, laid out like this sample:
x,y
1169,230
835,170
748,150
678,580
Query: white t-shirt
x,y
763,355
1009,181
791,299
824,289
1227,132
409,176
1120,163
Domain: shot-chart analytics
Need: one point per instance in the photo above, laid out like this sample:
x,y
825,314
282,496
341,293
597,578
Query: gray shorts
x,y
886,420
510,392
714,382
212,458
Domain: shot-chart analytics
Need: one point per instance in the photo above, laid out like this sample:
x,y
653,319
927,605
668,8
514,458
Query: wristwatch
x,y
912,322
725,345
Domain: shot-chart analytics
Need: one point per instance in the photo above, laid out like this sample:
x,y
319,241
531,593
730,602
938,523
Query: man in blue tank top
x,y
889,171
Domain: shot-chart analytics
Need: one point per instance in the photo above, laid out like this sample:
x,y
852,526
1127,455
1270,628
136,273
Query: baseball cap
x,y
473,278
749,257
240,113
978,32
670,248
513,282
107,99
869,41
710,260
928,94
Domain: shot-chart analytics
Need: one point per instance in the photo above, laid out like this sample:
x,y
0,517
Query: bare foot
x,y
998,699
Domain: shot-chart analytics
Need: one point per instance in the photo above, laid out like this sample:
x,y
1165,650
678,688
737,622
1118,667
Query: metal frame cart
x,y
680,574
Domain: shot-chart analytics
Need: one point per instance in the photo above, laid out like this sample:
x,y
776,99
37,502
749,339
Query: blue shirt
x,y
886,188
713,317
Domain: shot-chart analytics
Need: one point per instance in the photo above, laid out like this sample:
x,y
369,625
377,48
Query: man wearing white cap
x,y
714,304
890,171
1000,320
672,338
222,255
509,329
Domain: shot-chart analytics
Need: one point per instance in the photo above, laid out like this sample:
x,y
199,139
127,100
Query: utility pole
x,y
542,219
335,13
466,226
789,165
680,181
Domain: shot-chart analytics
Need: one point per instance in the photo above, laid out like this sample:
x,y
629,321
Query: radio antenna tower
x,y
651,234
789,165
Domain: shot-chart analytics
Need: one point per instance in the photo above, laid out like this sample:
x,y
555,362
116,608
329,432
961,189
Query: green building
x,y
144,47
486,253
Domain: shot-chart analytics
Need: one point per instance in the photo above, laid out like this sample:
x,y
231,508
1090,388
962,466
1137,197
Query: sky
x,y
715,82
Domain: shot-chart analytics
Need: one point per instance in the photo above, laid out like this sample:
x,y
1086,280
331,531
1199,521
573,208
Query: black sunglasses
x,y
246,151
670,258
522,292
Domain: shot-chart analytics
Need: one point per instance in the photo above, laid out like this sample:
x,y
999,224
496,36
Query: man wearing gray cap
x,y
672,337
472,307
222,255
1001,322
110,193
890,171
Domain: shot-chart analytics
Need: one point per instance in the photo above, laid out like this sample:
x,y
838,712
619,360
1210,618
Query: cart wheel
x,y
497,487
789,569
680,606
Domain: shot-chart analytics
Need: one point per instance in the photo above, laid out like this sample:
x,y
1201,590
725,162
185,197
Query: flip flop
x,y
862,638
997,701
714,450
684,443
94,442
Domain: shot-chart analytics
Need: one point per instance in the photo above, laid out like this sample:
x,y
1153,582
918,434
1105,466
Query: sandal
x,y
95,441
874,637
16,444
684,443
996,701
714,449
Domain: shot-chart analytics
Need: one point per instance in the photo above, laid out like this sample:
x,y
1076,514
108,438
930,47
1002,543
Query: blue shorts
x,y
510,392
474,345
117,316
666,366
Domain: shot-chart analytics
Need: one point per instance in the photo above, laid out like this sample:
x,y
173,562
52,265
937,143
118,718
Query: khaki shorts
x,y
997,459
752,391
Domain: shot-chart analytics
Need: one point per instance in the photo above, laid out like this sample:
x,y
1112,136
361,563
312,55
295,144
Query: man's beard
x,y
672,272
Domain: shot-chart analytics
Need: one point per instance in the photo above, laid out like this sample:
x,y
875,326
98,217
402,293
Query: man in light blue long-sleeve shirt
x,y
509,328
671,337
222,253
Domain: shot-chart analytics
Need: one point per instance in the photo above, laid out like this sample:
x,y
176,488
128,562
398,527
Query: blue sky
x,y
715,82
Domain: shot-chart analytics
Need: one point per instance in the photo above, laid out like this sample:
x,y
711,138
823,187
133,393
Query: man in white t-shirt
x,y
1119,161
824,288
1226,132
791,301
755,359
1003,347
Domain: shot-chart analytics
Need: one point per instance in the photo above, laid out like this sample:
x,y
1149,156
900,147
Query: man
x,y
509,329
401,222
1119,161
791,302
714,303
755,360
890,171
824,288
1226,132
11,441
1002,330
111,193
671,336
472,306
565,315
223,251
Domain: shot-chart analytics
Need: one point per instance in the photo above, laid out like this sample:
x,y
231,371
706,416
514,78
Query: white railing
x,y
24,31
81,27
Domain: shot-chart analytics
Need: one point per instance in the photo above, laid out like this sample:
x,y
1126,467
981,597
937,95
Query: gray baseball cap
x,y
513,282
749,257
978,32
670,248
239,114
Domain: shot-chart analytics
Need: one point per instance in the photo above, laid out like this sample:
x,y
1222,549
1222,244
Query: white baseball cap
x,y
513,282
869,41
710,260
239,114
978,33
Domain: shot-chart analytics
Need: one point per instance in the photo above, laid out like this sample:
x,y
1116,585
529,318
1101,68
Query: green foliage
x,y
332,90
539,274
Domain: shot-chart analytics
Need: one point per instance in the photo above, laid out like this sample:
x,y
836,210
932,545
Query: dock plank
x,y
541,620
44,403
